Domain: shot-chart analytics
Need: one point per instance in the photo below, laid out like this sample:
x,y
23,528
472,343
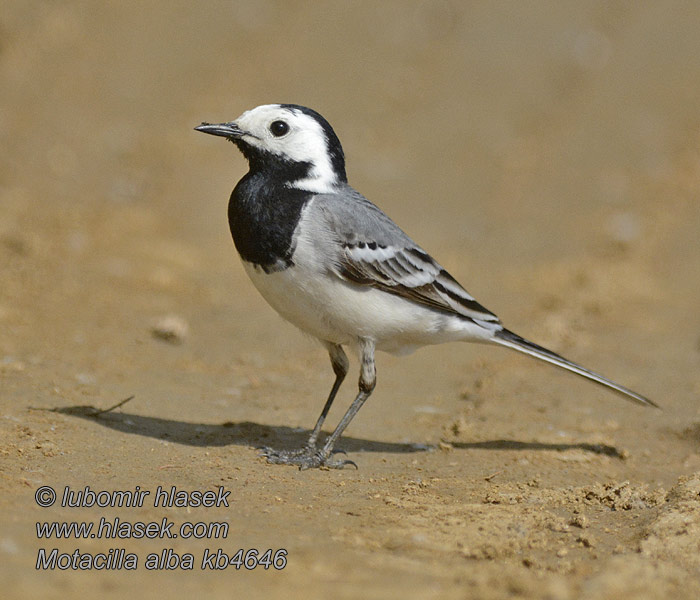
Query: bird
x,y
337,267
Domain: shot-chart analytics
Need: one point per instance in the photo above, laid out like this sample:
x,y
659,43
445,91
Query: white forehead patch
x,y
305,142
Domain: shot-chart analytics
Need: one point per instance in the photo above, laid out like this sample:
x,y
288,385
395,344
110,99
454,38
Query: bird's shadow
x,y
247,433
243,433
602,449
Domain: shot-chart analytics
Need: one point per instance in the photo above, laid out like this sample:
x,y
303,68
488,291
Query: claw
x,y
338,451
305,458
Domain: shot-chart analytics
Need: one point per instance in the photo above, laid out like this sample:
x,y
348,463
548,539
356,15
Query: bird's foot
x,y
307,457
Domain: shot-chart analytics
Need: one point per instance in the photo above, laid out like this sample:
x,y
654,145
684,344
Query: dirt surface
x,y
548,155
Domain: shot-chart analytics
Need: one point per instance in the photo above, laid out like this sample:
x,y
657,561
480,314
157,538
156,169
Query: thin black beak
x,y
227,130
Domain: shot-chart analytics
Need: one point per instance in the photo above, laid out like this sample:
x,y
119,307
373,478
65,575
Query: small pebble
x,y
579,521
170,328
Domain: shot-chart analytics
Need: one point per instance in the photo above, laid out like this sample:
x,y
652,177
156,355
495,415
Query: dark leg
x,y
339,362
310,458
368,380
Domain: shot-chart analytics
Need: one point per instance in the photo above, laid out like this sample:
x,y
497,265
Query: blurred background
x,y
546,153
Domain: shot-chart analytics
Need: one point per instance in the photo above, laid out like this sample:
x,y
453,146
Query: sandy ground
x,y
548,155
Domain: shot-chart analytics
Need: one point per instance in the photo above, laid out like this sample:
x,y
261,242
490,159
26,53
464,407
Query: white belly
x,y
325,306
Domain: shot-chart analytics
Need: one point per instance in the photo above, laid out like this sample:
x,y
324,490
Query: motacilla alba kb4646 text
x,y
333,264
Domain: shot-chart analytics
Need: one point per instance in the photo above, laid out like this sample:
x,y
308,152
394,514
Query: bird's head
x,y
290,143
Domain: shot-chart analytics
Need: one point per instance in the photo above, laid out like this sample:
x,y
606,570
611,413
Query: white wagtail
x,y
333,264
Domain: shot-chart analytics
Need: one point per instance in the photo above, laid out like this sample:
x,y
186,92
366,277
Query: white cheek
x,y
306,142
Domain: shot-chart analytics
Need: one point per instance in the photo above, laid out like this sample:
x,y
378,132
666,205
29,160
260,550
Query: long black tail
x,y
512,340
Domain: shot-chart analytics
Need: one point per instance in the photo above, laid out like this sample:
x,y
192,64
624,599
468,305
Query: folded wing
x,y
370,249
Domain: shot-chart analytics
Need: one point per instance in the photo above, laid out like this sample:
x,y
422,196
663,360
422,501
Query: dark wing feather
x,y
368,248
411,273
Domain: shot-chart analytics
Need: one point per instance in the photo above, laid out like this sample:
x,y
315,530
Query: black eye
x,y
279,128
